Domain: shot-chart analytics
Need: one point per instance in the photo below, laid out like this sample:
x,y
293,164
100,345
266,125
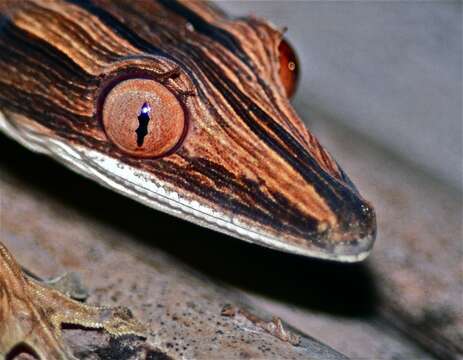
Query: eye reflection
x,y
143,120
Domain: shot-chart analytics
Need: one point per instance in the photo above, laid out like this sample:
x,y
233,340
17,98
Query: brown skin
x,y
229,139
246,154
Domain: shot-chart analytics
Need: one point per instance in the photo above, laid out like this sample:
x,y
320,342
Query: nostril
x,y
354,240
363,224
354,224
368,221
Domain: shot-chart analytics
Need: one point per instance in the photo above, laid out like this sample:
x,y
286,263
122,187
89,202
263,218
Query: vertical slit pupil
x,y
143,120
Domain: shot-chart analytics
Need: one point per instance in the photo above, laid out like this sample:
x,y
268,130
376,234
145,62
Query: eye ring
x,y
141,116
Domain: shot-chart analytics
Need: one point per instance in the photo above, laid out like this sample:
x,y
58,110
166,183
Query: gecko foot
x,y
32,313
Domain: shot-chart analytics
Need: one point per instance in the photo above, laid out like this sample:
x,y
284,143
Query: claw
x,y
32,313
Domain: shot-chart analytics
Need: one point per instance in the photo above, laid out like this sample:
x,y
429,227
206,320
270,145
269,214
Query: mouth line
x,y
207,217
138,185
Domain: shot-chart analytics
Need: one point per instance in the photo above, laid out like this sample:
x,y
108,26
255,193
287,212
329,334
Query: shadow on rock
x,y
342,289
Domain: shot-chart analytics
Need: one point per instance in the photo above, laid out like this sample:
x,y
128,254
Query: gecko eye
x,y
289,69
143,118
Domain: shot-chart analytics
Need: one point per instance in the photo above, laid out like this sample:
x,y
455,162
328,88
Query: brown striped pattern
x,y
246,152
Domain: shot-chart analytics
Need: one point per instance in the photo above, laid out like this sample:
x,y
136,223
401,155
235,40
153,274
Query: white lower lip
x,y
149,191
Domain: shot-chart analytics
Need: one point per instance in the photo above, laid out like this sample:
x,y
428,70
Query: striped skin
x,y
247,167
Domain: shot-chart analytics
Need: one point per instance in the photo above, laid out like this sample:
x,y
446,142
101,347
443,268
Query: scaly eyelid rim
x,y
126,70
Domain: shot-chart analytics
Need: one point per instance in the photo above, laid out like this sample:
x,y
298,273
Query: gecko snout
x,y
354,236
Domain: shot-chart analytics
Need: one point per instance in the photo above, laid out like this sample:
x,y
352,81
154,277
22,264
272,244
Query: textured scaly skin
x,y
248,166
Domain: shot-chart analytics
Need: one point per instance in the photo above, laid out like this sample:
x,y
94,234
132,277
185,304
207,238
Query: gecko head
x,y
188,111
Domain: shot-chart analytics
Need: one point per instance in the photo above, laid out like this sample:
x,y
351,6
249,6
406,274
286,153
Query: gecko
x,y
180,107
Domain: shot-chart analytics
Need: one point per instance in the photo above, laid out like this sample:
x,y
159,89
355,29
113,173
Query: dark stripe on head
x,y
118,27
54,69
340,198
217,34
246,156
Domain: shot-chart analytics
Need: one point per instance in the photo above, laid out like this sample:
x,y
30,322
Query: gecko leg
x,y
68,283
32,313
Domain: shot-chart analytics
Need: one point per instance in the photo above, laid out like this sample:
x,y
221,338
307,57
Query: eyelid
x,y
163,70
122,95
